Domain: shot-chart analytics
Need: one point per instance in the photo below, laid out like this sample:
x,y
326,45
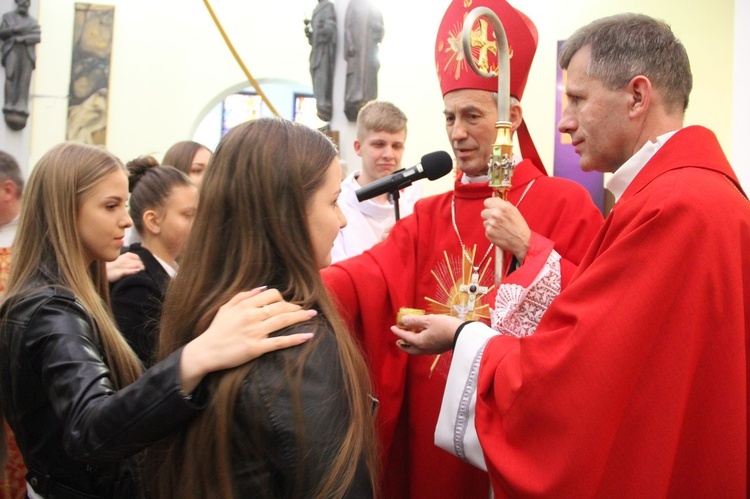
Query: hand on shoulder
x,y
125,264
240,333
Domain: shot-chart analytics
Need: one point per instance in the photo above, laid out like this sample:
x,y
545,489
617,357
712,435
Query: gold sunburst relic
x,y
461,292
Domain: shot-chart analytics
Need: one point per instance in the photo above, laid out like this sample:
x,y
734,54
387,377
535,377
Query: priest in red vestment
x,y
635,381
440,260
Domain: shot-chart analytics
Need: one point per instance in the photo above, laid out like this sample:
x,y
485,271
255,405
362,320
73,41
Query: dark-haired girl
x,y
163,201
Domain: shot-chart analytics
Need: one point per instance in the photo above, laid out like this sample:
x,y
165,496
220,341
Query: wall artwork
x,y
89,75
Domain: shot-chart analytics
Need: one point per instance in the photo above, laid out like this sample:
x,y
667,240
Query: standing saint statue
x,y
363,32
19,33
321,32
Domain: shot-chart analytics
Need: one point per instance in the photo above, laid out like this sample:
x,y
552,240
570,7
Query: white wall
x,y
170,66
740,154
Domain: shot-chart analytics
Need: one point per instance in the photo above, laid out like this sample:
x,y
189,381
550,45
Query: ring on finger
x,y
267,311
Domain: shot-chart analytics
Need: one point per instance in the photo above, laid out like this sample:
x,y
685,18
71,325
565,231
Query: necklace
x,y
473,289
469,258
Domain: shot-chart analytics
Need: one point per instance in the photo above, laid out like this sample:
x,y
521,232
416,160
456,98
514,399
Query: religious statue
x,y
363,32
19,33
321,32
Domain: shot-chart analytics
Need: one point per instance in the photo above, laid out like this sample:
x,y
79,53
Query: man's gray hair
x,y
627,45
9,170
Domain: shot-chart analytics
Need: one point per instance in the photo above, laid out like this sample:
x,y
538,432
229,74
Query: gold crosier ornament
x,y
501,164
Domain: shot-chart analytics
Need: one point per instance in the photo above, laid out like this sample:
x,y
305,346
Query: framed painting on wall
x,y
89,75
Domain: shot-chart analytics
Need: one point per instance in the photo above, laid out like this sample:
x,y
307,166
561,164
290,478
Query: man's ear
x,y
358,147
516,116
8,189
151,222
639,95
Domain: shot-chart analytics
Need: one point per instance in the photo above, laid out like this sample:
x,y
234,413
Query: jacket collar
x,y
694,147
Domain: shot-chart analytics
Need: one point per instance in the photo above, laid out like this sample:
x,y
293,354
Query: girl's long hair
x,y
181,155
48,249
251,230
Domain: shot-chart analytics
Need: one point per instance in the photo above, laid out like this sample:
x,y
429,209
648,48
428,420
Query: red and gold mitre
x,y
454,72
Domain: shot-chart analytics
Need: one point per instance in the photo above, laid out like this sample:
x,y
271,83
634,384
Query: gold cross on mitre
x,y
480,39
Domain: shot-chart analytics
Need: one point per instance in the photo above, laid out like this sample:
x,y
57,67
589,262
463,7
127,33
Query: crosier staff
x,y
501,164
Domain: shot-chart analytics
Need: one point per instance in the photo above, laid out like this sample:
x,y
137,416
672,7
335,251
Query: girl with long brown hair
x,y
297,423
71,388
189,157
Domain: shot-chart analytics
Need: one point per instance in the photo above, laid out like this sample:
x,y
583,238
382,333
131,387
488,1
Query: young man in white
x,y
381,137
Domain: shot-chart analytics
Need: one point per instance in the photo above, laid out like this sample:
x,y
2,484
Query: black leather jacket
x,y
76,433
266,454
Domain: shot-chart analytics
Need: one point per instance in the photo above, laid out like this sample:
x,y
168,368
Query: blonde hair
x,y
49,250
380,116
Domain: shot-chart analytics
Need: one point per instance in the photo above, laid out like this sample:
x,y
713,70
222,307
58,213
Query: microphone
x,y
433,166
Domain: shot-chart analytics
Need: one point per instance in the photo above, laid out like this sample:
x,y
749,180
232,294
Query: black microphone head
x,y
436,164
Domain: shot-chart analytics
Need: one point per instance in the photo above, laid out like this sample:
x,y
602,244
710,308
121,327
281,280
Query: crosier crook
x,y
501,165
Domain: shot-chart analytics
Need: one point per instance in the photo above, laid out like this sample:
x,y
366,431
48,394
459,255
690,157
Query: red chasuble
x,y
635,383
421,265
12,481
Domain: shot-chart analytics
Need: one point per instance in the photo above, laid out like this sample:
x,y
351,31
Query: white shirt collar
x,y
481,179
170,270
624,175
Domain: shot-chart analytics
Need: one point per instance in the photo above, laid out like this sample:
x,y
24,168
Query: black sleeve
x,y
99,423
136,305
277,463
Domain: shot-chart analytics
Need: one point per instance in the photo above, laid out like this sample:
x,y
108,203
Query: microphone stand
x,y
393,197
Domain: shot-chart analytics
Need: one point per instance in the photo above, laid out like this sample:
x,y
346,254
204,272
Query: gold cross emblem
x,y
480,40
